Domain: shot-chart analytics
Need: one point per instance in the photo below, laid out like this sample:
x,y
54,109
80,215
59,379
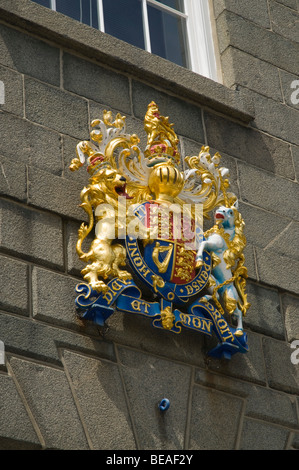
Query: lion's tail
x,y
82,234
84,230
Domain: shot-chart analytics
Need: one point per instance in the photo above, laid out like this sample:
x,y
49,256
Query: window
x,y
177,30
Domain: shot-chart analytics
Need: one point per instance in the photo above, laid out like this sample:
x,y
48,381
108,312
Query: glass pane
x,y
94,14
89,13
69,8
123,19
84,11
44,3
176,4
168,36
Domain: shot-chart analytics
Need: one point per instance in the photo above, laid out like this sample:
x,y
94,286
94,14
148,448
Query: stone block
x,y
93,81
137,331
23,141
53,298
13,179
99,391
55,193
249,366
12,444
262,227
269,192
248,145
295,441
215,420
13,285
60,110
37,236
41,341
16,47
269,437
230,163
286,243
250,262
290,305
264,315
284,21
266,120
53,301
187,118
290,88
259,402
190,147
282,374
74,264
248,71
255,11
16,429
51,402
295,154
165,379
13,91
278,270
235,31
272,406
222,382
289,3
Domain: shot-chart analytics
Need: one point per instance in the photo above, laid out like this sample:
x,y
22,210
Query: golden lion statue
x,y
104,258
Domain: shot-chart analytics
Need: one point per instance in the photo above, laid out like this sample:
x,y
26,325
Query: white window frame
x,y
199,31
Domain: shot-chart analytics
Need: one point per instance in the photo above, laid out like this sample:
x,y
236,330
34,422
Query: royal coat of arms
x,y
149,253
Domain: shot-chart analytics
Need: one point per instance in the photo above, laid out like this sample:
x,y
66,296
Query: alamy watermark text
x,y
2,93
295,354
295,93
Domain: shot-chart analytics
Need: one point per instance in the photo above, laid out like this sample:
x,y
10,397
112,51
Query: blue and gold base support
x,y
125,296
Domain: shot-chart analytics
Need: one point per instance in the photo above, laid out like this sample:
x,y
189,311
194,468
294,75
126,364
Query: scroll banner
x,y
170,291
202,317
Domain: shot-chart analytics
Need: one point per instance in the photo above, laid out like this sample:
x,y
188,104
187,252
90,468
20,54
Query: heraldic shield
x,y
150,254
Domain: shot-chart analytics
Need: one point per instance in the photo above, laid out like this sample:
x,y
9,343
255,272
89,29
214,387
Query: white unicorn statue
x,y
226,241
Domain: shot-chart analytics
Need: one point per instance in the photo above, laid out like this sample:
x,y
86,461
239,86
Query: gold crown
x,y
106,135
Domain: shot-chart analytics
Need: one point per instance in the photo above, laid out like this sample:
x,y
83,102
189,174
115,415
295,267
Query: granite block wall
x,y
67,384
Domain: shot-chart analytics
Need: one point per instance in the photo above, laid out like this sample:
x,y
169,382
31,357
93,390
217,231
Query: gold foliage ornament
x,y
148,253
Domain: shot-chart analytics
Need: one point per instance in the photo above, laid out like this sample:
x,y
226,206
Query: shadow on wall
x,y
245,143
